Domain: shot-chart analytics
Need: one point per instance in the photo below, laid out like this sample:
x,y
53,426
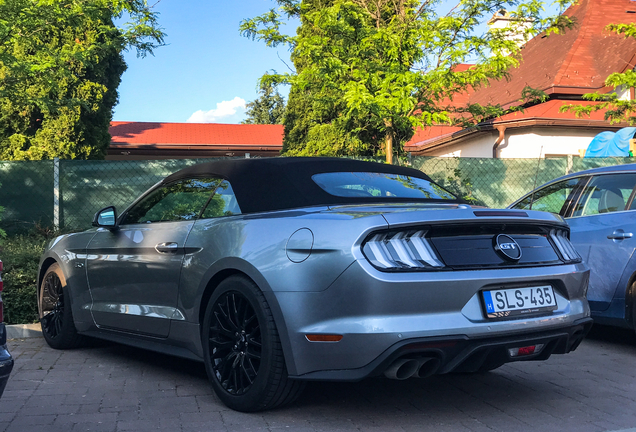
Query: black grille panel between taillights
x,y
469,246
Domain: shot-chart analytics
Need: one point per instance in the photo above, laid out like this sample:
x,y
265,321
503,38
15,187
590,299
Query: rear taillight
x,y
402,250
1,286
560,238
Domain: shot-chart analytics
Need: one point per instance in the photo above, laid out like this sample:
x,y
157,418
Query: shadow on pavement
x,y
121,354
614,335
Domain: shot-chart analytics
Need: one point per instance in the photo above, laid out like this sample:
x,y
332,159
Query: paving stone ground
x,y
111,387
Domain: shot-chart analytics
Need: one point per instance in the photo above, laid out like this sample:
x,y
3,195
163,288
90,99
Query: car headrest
x,y
610,201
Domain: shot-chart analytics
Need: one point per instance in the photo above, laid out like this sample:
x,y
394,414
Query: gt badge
x,y
507,247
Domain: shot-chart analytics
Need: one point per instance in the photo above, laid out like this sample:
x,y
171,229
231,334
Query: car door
x,y
133,271
603,226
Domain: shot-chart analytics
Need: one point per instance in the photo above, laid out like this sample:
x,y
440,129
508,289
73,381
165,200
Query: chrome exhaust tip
x,y
402,369
427,367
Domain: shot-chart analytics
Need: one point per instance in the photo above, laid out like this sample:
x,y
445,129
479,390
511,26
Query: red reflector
x,y
323,338
526,350
1,285
1,311
1,266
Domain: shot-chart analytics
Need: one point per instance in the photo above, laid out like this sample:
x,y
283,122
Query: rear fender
x,y
231,266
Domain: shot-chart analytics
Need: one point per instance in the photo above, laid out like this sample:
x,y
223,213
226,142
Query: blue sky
x,y
207,68
207,71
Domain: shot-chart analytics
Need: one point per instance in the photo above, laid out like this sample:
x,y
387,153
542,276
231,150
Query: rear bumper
x,y
377,313
465,354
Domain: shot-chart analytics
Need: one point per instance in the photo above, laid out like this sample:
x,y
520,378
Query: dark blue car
x,y
599,205
6,361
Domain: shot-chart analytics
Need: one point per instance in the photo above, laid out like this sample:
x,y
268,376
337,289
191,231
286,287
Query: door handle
x,y
620,235
166,247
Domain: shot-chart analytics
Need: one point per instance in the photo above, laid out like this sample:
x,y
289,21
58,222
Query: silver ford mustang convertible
x,y
277,271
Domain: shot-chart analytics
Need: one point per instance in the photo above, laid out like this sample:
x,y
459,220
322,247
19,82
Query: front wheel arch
x,y
43,269
55,311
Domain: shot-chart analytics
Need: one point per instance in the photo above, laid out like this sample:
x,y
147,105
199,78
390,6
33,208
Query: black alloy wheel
x,y
235,341
56,317
242,349
52,305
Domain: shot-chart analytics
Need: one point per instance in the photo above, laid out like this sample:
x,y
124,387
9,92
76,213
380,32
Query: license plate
x,y
519,301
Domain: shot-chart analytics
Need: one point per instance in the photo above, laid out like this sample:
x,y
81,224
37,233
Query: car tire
x,y
54,307
632,297
242,350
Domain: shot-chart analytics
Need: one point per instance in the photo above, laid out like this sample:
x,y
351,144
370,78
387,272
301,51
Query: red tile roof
x,y
139,133
575,62
432,132
550,110
545,114
159,140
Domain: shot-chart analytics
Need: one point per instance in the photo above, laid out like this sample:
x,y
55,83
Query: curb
x,y
22,331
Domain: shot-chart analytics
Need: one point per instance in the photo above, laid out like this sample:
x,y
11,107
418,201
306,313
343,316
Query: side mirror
x,y
106,218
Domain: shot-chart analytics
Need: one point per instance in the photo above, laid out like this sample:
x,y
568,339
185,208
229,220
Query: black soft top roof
x,y
285,183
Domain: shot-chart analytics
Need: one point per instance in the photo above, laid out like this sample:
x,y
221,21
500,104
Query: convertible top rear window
x,y
379,185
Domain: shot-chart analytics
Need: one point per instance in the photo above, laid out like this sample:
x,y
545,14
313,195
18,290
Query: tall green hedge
x,y
20,255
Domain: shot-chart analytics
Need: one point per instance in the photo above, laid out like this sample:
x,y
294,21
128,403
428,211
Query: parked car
x,y
278,271
599,205
6,361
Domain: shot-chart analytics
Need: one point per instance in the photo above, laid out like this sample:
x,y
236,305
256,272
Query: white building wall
x,y
623,93
530,143
523,143
478,147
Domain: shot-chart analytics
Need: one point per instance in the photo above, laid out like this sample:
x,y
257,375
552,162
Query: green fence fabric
x,y
87,186
497,183
28,189
26,193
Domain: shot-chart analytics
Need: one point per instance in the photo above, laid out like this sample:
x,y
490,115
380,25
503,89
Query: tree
x,y
369,71
60,65
311,122
269,108
616,110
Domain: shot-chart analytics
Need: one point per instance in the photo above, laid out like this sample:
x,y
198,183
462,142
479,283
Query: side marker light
x,y
323,338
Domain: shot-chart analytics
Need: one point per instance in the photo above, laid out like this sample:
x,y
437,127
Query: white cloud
x,y
223,110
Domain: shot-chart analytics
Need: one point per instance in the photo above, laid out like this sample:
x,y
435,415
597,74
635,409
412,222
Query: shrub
x,y
461,186
20,255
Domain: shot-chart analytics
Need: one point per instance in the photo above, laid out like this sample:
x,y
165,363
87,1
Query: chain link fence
x,y
26,193
65,194
497,183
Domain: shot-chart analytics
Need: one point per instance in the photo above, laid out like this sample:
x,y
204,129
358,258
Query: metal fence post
x,y
56,193
568,169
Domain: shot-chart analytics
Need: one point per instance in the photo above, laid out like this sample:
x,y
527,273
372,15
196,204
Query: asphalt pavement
x,y
111,387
